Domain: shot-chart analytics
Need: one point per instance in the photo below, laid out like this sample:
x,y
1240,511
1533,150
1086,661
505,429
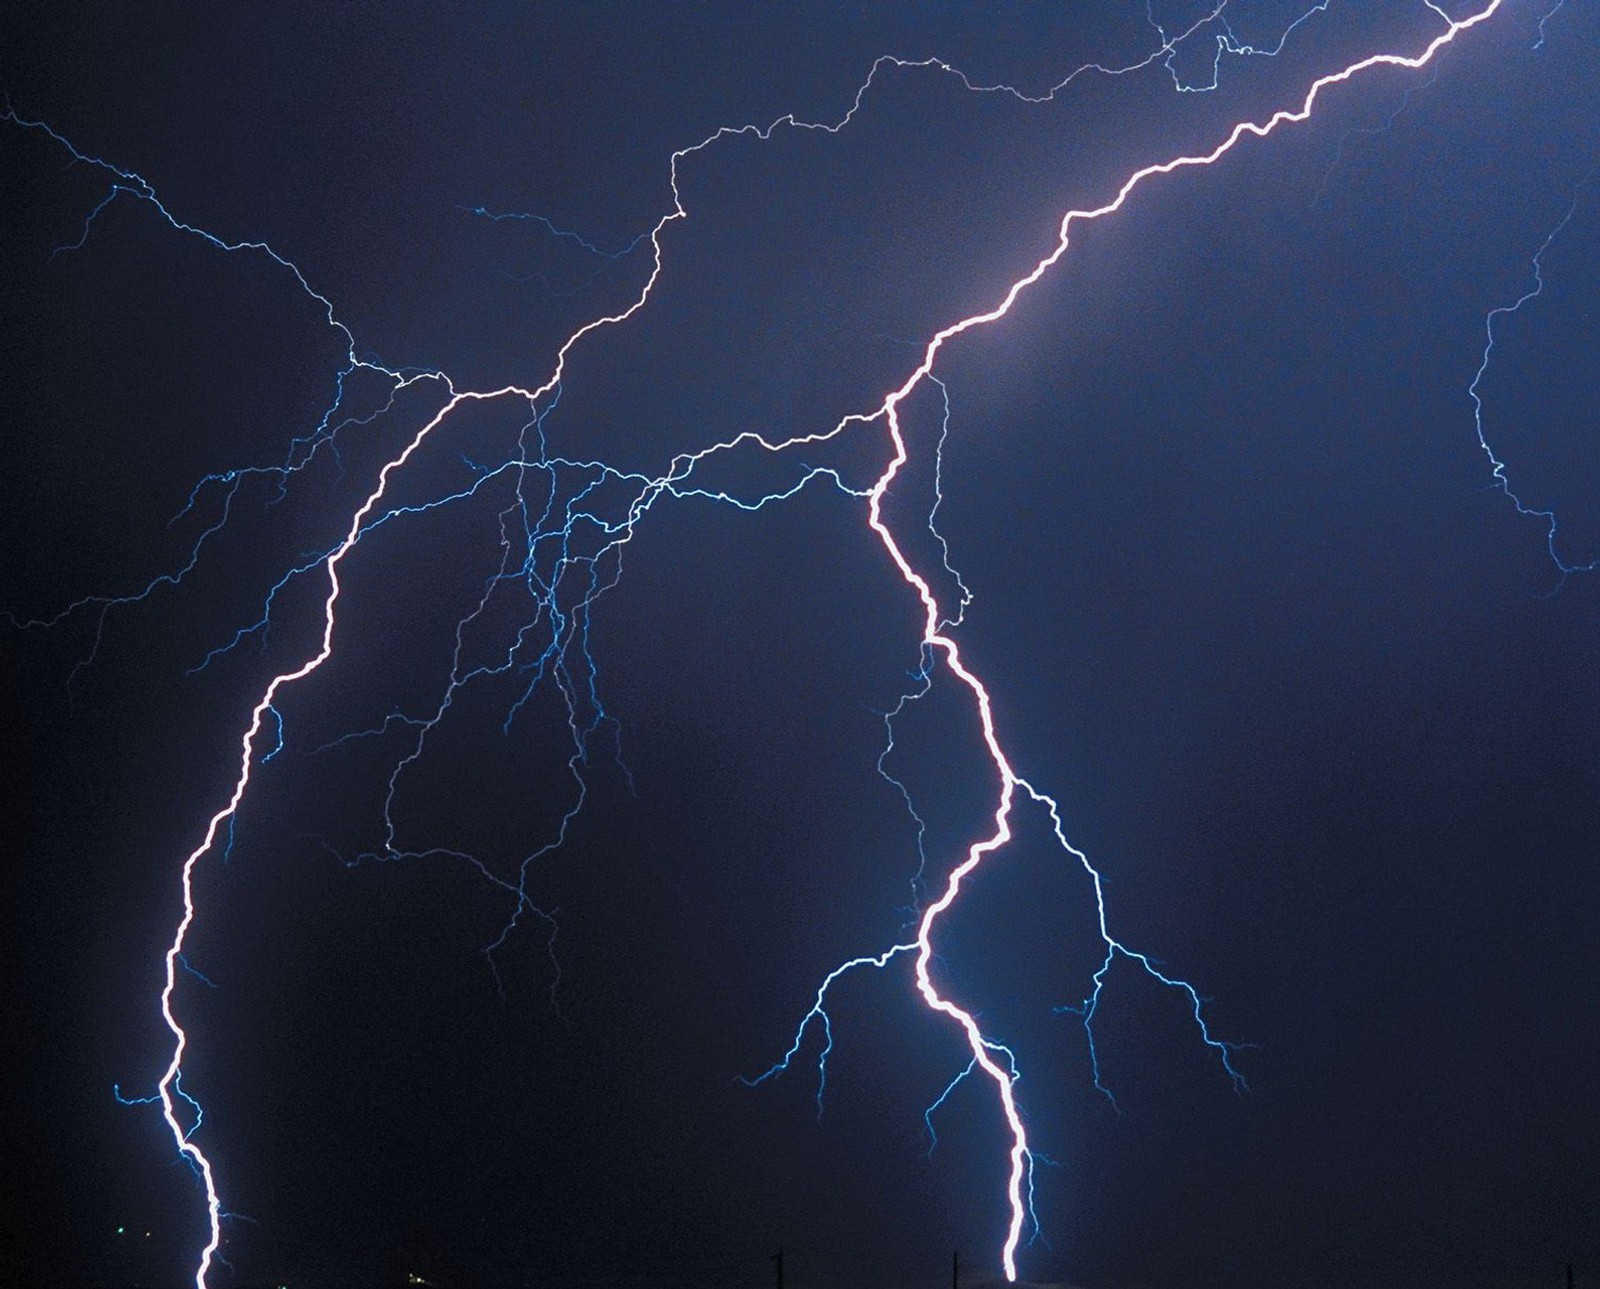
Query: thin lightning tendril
x,y
1501,480
525,535
935,639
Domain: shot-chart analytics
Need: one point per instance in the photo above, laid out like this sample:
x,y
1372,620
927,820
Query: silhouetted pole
x,y
955,1270
777,1260
1569,1275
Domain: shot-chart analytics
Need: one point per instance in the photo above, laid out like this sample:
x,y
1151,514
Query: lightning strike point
x,y
542,556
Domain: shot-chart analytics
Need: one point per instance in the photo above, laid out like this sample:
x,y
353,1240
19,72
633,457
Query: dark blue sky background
x,y
1309,690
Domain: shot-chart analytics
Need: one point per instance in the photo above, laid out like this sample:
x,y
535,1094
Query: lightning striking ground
x,y
530,528
935,639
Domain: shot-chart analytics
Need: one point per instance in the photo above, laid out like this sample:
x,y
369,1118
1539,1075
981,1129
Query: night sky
x,y
1315,698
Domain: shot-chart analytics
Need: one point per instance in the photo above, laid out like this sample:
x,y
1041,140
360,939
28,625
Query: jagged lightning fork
x,y
1545,20
302,450
992,1058
1498,467
935,640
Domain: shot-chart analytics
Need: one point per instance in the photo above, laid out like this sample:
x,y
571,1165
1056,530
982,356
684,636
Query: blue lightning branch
x,y
1502,480
207,981
924,678
1115,948
1373,131
607,258
923,675
819,1014
927,1115
562,233
1220,31
563,537
1544,22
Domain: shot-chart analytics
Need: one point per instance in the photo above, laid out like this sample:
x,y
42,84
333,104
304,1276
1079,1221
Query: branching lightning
x,y
563,536
936,640
1502,480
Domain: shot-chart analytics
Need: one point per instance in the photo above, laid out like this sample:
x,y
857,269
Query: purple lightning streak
x,y
169,1079
936,624
933,637
165,1089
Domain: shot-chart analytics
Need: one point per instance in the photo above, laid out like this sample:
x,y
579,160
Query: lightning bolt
x,y
566,618
936,640
1502,480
